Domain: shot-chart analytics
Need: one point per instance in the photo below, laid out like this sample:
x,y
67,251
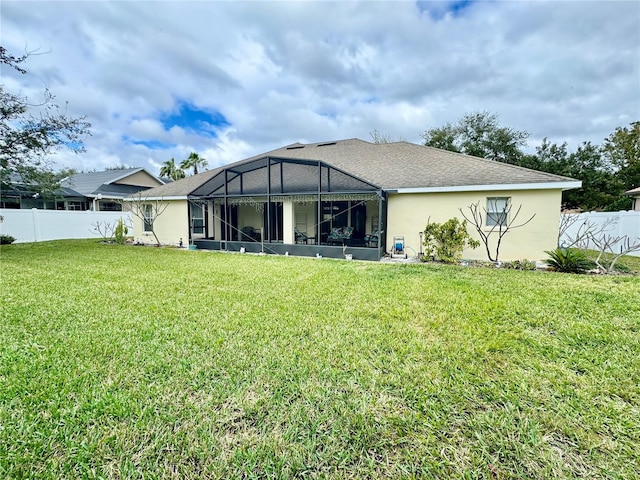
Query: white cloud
x,y
310,71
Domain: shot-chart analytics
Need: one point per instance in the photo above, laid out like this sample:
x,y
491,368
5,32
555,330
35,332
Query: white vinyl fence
x,y
620,223
42,225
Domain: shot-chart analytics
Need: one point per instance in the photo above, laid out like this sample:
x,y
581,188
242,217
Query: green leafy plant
x,y
520,265
121,232
6,239
445,242
570,260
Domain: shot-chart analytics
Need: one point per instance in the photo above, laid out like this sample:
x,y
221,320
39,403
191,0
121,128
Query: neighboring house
x,y
105,190
18,194
313,199
635,196
101,191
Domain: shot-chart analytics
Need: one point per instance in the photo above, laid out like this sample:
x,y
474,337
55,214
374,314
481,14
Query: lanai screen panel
x,y
254,182
234,184
212,187
250,180
299,177
337,181
276,177
282,176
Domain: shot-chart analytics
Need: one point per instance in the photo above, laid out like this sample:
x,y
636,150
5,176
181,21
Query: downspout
x,y
382,223
227,229
268,201
189,219
319,209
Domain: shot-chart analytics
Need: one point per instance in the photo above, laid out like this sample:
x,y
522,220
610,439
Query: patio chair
x,y
335,236
340,236
300,237
371,239
249,234
347,233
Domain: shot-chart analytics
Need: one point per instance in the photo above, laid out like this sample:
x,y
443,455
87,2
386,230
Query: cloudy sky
x,y
233,79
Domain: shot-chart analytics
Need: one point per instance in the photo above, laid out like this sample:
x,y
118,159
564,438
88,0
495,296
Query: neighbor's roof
x,y
633,192
93,183
183,187
400,166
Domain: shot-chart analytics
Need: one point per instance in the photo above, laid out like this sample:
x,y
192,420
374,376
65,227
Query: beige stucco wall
x,y
170,226
409,213
142,179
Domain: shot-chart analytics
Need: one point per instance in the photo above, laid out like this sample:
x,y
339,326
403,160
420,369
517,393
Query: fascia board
x,y
151,199
498,187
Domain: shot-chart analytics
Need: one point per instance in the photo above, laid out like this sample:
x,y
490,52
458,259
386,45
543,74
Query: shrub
x,y
121,232
6,239
570,260
446,241
520,265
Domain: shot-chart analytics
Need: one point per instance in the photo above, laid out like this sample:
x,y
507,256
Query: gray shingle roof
x,y
92,183
391,166
182,187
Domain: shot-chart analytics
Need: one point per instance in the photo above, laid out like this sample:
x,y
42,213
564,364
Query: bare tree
x,y
606,244
502,222
108,230
146,209
379,137
105,229
587,231
595,241
566,222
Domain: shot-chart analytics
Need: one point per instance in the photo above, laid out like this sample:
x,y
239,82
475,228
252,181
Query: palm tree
x,y
193,161
170,170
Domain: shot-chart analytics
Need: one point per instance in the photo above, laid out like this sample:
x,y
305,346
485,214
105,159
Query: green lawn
x,y
137,362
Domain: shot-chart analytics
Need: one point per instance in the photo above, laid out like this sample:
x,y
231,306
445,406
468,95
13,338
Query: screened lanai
x,y
278,205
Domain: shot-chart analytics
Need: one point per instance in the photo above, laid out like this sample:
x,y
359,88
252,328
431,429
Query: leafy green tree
x,y
481,135
193,161
549,157
170,170
30,133
622,150
600,187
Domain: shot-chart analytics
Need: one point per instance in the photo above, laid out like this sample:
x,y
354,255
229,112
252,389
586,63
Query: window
x,y
497,211
148,217
109,207
301,222
74,206
197,218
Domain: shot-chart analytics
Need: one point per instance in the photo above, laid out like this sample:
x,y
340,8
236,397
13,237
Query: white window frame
x,y
147,215
497,211
195,210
